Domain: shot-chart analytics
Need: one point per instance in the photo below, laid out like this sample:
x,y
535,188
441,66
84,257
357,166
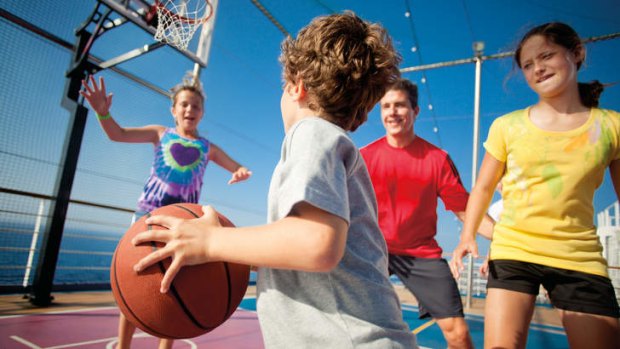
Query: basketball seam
x,y
229,311
174,291
228,307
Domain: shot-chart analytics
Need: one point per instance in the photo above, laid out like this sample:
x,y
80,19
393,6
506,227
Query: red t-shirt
x,y
407,183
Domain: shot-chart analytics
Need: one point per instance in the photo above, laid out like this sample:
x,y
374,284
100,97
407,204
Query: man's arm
x,y
486,226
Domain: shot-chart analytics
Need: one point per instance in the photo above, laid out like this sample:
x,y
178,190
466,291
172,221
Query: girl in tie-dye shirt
x,y
181,156
177,171
551,157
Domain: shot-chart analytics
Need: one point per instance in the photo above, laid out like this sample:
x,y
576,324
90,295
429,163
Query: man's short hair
x,y
409,87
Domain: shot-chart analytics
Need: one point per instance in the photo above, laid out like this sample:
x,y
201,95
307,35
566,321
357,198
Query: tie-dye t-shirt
x,y
177,171
548,189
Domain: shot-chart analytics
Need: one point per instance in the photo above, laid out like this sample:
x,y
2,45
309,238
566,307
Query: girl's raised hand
x,y
96,95
186,242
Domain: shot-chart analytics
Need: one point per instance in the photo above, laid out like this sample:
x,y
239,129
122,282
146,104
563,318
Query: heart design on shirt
x,y
184,155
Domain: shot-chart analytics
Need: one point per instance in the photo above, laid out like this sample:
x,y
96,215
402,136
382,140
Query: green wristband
x,y
103,117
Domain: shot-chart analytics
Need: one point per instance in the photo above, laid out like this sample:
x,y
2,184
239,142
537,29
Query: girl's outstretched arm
x,y
308,239
96,95
490,173
239,173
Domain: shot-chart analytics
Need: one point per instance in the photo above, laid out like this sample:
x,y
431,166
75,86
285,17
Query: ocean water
x,y
84,256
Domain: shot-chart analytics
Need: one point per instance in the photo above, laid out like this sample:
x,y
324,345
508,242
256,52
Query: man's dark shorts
x,y
432,284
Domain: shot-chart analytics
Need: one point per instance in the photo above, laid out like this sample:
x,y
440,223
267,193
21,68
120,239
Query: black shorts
x,y
432,284
568,289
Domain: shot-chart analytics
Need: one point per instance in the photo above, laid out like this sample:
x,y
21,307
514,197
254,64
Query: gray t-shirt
x,y
354,305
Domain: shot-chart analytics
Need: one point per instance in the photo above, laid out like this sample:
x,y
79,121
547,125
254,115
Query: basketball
x,y
200,298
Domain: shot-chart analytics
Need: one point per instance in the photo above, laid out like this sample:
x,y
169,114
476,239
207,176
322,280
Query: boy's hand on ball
x,y
186,242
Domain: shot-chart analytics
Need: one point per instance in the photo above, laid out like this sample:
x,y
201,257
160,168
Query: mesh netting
x,y
178,20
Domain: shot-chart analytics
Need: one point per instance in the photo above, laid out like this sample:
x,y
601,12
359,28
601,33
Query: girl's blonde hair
x,y
189,84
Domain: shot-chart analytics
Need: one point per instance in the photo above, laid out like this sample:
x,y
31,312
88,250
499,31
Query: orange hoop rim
x,y
159,5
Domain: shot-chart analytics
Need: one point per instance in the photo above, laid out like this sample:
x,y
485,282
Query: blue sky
x,y
439,31
243,85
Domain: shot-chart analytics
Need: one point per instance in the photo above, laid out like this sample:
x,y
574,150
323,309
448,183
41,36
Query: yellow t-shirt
x,y
548,189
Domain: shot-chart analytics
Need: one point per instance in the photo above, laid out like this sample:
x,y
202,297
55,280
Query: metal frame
x,y
136,18
79,69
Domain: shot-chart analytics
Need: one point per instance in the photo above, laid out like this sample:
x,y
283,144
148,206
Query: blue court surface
x,y
429,335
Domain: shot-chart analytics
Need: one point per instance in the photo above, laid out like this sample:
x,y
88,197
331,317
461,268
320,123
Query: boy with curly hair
x,y
322,260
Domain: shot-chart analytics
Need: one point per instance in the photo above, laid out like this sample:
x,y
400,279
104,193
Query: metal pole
x,y
493,56
478,47
270,17
33,243
50,246
204,43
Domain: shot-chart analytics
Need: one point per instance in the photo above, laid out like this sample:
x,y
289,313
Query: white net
x,y
178,20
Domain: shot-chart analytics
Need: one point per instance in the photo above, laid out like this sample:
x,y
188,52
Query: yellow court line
x,y
424,326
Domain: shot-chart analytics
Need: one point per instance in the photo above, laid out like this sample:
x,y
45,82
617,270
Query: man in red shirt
x,y
409,174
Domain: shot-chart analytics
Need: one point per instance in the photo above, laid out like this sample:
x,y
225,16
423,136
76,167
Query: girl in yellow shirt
x,y
551,157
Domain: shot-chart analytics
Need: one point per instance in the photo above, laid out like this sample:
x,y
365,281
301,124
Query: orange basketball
x,y
200,298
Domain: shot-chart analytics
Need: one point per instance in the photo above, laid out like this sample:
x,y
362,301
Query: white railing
x,y
610,216
608,230
479,285
33,243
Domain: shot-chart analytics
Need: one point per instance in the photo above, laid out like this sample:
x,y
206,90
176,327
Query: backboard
x,y
143,14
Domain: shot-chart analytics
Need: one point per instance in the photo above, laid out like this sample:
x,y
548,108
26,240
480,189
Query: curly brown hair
x,y
346,65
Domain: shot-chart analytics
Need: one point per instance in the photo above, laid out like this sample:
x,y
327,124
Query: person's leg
x,y
165,343
512,287
588,307
507,316
125,328
456,332
591,331
432,283
125,332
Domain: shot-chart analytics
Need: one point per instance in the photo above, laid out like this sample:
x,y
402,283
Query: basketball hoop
x,y
178,20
